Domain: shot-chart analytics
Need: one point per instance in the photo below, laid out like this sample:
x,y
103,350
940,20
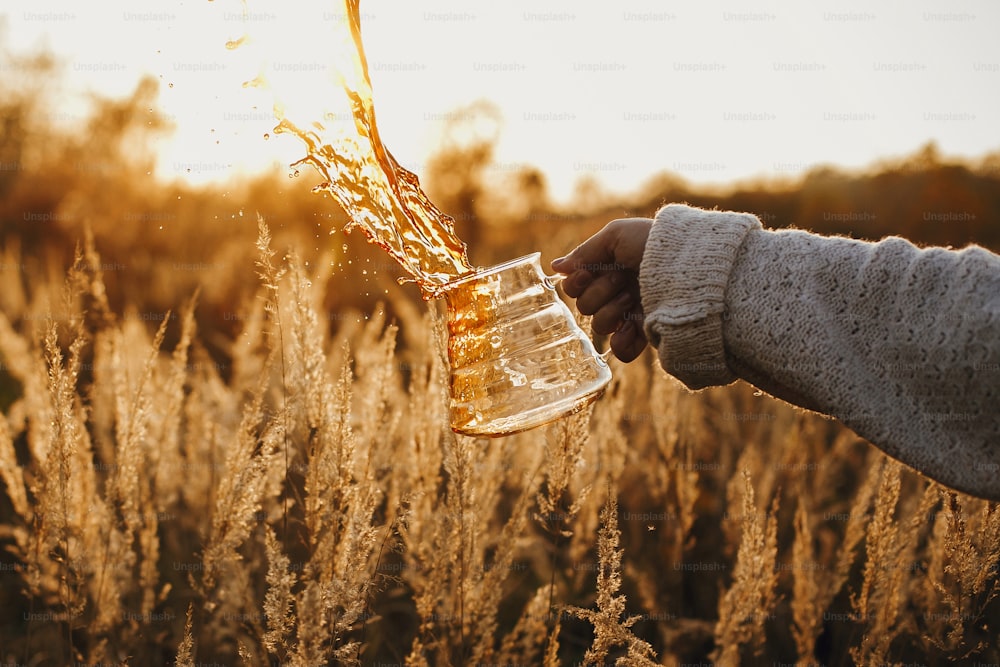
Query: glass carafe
x,y
518,358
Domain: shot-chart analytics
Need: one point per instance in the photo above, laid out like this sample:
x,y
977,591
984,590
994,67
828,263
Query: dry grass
x,y
304,503
200,465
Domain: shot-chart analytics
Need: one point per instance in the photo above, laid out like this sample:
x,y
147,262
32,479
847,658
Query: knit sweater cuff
x,y
683,276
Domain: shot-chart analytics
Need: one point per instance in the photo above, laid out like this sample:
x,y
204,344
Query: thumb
x,y
589,255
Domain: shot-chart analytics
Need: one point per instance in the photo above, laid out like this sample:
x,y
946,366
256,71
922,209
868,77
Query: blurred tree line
x,y
165,240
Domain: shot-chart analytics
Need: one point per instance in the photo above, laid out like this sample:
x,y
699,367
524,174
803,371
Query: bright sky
x,y
714,90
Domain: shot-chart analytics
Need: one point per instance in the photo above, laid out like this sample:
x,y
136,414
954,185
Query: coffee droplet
x,y
236,43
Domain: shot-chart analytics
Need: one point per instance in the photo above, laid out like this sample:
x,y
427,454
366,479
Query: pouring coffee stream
x,y
518,358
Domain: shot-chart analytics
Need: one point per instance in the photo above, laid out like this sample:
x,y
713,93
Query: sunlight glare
x,y
612,91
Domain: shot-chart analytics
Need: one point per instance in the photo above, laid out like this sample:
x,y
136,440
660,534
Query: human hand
x,y
603,276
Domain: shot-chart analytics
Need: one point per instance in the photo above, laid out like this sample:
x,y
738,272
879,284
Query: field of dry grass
x,y
306,504
224,443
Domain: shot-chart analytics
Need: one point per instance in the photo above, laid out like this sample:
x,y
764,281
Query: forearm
x,y
899,344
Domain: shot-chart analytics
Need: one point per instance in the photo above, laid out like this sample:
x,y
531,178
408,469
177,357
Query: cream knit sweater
x,y
900,344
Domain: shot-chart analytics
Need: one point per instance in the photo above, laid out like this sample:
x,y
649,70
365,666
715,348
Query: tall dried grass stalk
x,y
818,578
185,650
880,597
278,600
749,601
552,647
962,573
611,628
564,454
241,489
806,605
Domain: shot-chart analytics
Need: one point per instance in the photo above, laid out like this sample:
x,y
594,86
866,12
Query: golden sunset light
x,y
713,91
441,333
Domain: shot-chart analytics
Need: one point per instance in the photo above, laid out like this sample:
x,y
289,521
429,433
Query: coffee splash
x,y
517,357
327,102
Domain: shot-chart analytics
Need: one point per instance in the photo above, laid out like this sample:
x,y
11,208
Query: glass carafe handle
x,y
554,279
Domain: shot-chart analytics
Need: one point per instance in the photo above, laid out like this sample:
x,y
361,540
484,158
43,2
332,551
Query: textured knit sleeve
x,y
900,344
